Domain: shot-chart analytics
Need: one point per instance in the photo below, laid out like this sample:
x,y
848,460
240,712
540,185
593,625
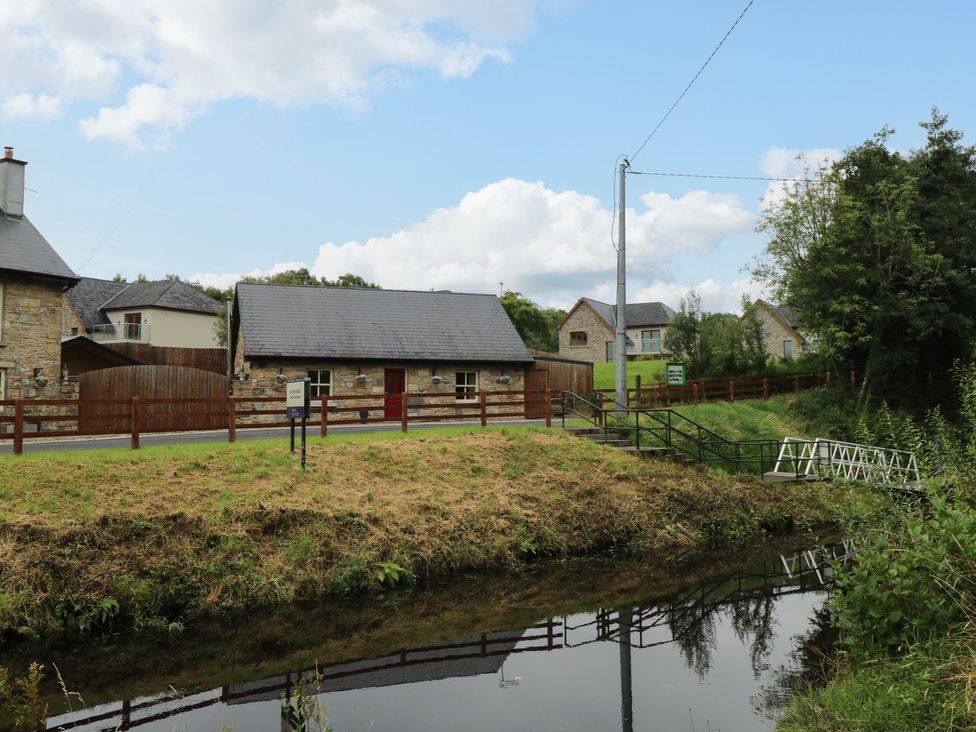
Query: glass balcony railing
x,y
120,333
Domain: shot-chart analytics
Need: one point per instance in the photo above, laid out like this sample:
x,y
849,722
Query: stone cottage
x,y
32,280
373,343
588,332
780,326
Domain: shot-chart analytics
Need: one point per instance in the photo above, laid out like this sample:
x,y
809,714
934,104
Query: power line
x,y
693,80
719,177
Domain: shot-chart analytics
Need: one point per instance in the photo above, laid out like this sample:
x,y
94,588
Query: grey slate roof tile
x,y
172,294
350,323
638,313
23,249
88,296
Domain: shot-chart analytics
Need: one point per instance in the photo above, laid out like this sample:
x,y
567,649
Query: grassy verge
x,y
172,533
651,372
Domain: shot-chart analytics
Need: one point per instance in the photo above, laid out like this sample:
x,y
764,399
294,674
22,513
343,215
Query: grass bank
x,y
168,534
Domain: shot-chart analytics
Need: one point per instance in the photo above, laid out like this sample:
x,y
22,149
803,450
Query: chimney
x,y
11,184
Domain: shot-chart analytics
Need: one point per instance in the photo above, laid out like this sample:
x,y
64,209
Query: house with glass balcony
x,y
588,332
169,313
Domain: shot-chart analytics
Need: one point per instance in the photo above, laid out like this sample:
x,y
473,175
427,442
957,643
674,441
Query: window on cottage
x,y
3,385
788,348
74,331
466,386
1,324
320,382
609,350
650,341
577,338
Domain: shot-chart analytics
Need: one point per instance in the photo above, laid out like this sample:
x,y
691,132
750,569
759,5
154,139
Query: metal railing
x,y
670,430
850,461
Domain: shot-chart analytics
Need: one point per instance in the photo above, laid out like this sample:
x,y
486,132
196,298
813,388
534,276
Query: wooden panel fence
x,y
208,359
564,374
137,415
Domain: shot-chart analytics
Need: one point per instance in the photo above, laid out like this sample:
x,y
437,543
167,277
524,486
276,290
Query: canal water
x,y
622,643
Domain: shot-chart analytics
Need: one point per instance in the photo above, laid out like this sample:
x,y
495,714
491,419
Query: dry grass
x,y
177,532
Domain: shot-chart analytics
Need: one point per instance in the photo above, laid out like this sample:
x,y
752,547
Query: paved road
x,y
192,438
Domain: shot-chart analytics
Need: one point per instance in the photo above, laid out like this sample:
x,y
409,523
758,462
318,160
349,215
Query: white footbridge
x,y
832,459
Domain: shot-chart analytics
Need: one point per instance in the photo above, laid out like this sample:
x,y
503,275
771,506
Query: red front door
x,y
394,381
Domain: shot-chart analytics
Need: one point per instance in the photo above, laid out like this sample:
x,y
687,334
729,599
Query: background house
x,y
352,341
588,332
169,313
783,340
32,280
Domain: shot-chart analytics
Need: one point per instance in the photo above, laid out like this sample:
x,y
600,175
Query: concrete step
x,y
649,452
612,442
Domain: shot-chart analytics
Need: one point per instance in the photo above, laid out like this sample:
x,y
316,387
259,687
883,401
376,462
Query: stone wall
x,y
30,338
584,319
261,378
69,319
776,333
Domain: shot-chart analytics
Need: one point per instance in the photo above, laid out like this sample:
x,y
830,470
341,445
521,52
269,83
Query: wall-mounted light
x,y
360,377
280,378
40,381
504,379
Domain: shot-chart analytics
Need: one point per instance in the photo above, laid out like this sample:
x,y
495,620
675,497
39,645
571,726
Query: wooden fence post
x,y
796,384
829,376
930,377
324,423
548,408
853,378
483,403
403,411
18,425
135,423
731,390
765,387
231,420
637,390
694,392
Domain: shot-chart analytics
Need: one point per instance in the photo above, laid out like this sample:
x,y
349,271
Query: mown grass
x,y
170,533
754,419
651,372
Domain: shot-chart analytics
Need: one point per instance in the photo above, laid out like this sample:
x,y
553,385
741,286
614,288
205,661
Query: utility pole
x,y
230,363
620,348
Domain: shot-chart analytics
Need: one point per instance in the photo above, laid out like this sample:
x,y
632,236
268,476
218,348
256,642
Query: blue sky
x,y
426,143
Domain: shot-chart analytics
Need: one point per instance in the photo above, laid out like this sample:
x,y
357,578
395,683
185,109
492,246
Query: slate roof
x,y
88,296
786,314
23,249
169,294
638,313
290,321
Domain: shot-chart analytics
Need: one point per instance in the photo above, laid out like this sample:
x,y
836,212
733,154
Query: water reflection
x,y
690,621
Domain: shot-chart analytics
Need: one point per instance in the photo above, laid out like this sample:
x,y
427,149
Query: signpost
x,y
298,405
676,374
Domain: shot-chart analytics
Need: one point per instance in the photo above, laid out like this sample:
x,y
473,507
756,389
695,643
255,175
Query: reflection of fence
x,y
469,656
849,461
137,416
799,572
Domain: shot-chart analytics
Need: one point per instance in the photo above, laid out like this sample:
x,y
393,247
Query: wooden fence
x,y
208,359
564,374
140,416
717,390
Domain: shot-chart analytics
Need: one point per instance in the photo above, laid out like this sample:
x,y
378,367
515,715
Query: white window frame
x,y
466,387
3,385
788,352
2,313
611,347
316,383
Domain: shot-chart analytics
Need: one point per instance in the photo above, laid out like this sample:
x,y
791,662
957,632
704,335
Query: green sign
x,y
676,374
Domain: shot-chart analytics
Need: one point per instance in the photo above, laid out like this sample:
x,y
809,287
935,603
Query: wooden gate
x,y
536,383
172,398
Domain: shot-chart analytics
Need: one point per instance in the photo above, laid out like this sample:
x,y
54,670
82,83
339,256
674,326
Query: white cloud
x,y
716,296
553,246
26,106
782,162
156,64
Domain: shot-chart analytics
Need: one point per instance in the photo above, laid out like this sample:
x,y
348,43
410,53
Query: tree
x,y
875,256
535,325
752,336
682,339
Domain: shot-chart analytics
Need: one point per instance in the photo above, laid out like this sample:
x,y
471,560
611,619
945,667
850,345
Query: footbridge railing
x,y
822,458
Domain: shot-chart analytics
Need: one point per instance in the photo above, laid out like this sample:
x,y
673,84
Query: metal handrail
x,y
707,447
